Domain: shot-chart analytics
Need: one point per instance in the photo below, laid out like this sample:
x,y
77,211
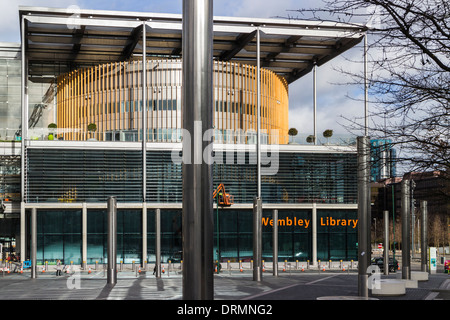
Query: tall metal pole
x,y
275,242
158,243
257,202
24,126
198,220
424,235
363,214
406,257
315,102
144,112
366,89
33,243
257,239
386,242
112,241
258,107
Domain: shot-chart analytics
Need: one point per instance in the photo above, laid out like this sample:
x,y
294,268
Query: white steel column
x,y
24,99
144,112
314,234
198,99
84,236
315,102
144,236
257,203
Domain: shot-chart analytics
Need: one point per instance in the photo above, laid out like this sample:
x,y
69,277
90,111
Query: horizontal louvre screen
x,y
89,175
84,175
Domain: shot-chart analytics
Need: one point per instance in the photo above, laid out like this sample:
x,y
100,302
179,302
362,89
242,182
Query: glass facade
x,y
10,98
337,240
60,237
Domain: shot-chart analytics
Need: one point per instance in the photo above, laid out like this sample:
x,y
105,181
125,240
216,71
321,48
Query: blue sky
x,y
332,99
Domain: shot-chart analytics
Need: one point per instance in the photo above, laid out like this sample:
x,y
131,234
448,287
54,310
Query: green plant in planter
x,y
311,139
52,127
292,132
92,127
328,134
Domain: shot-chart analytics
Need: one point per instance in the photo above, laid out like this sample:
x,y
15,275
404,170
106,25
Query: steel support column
x,y
197,92
158,243
275,242
24,128
144,237
257,240
424,235
363,175
33,243
406,237
315,103
112,241
144,112
84,236
386,242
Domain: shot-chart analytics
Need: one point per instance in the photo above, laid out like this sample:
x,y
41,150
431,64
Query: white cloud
x,y
9,15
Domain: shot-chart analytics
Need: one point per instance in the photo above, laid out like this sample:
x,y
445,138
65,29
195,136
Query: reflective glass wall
x,y
60,235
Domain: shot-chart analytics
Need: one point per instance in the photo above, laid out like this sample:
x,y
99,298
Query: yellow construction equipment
x,y
224,199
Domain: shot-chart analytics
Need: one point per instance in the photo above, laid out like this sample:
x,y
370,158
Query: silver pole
x,y
315,102
24,125
257,240
144,112
424,235
33,243
386,242
112,241
363,214
366,89
158,243
198,222
258,106
275,242
144,237
84,236
406,258
314,234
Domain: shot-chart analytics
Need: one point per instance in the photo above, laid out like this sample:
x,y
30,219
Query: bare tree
x,y
409,74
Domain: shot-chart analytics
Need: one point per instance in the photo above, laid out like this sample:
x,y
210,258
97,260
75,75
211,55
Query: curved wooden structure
x,y
110,95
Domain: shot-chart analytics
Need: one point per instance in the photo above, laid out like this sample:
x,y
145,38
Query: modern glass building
x,y
72,113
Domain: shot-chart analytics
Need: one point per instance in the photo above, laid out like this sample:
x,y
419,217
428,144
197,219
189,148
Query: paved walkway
x,y
228,286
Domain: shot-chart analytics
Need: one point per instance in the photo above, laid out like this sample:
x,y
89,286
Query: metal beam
x,y
135,36
240,43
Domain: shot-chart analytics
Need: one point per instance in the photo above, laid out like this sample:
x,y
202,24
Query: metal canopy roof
x,y
75,38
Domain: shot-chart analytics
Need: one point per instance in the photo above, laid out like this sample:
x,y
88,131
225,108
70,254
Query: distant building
x,y
383,159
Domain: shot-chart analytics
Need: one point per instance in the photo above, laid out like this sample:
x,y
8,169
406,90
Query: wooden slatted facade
x,y
110,96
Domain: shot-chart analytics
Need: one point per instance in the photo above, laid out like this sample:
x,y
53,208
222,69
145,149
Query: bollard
x,y
132,267
96,265
121,265
46,265
329,265
168,267
296,264
307,264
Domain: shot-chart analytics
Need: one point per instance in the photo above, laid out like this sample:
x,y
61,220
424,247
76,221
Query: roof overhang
x,y
76,38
